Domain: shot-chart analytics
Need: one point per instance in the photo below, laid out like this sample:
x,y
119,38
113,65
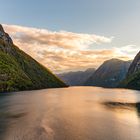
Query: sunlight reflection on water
x,y
75,113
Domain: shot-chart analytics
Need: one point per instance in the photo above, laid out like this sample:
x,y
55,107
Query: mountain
x,y
19,71
132,79
109,74
77,78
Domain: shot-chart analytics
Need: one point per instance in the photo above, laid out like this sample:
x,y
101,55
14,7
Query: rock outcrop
x,y
132,79
135,66
5,37
1,28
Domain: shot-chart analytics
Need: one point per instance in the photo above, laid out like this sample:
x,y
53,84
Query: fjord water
x,y
75,113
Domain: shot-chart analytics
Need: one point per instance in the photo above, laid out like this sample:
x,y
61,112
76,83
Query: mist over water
x,y
75,113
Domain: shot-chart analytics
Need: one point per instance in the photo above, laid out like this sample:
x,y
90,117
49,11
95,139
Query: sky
x,y
71,35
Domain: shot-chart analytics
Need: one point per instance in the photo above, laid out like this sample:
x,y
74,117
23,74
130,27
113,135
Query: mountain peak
x,y
114,60
109,74
5,36
135,66
132,79
1,28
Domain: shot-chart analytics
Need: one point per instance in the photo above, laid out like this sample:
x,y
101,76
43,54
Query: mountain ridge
x,y
76,78
109,74
132,79
19,71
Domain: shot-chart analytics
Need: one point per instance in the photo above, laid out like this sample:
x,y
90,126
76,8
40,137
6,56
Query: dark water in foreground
x,y
76,113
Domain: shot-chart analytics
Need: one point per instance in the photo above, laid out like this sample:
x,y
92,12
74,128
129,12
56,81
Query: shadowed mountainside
x,y
77,78
109,74
132,79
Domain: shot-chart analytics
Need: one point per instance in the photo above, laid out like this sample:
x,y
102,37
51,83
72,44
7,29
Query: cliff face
x,y
19,71
5,37
132,79
1,28
109,74
135,66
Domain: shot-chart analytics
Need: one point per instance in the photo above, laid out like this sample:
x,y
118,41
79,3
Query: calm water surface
x,y
75,113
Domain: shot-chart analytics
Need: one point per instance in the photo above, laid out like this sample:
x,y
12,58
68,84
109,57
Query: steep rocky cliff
x,y
135,66
132,79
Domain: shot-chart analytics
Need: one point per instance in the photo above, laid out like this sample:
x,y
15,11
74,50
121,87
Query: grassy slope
x,y
18,71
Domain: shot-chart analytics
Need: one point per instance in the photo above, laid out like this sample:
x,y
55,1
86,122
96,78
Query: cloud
x,y
63,51
128,50
61,39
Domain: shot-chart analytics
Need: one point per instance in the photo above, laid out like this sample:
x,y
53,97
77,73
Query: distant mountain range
x,y
109,74
19,71
132,79
77,78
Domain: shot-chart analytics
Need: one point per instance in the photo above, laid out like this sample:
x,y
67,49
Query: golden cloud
x,y
61,39
62,51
